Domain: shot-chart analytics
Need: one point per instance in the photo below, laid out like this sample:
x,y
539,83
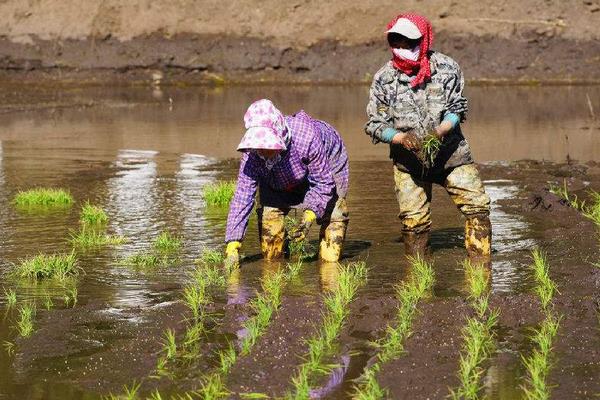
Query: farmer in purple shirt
x,y
293,161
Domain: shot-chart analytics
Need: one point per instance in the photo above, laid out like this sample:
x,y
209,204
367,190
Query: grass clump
x,y
10,296
43,197
351,277
219,193
54,266
391,346
143,261
25,321
478,336
93,239
92,216
210,256
166,243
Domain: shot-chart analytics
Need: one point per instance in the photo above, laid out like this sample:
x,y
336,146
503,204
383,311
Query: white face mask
x,y
408,54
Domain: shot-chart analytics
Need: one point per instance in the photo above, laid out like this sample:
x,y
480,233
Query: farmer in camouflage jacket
x,y
416,105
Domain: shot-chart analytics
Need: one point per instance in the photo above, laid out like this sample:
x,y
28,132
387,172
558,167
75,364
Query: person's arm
x,y
320,178
456,103
243,200
380,125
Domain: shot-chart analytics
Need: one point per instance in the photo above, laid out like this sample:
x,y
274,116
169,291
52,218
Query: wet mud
x,y
148,182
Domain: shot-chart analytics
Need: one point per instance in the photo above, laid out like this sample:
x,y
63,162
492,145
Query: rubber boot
x,y
332,241
272,235
478,239
416,244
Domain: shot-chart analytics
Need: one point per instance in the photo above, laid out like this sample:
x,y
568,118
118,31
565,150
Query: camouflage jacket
x,y
394,104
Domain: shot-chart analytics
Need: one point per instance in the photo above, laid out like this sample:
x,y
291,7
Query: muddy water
x,y
144,154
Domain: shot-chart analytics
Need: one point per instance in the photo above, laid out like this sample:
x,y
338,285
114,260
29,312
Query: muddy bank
x,y
199,59
303,41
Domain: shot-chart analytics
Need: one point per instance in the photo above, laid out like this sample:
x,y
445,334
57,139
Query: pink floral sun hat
x,y
265,126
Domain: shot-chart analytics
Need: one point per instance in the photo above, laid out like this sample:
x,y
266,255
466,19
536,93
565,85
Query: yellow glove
x,y
301,231
232,254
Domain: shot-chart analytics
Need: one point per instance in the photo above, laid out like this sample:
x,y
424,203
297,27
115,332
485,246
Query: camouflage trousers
x,y
466,190
271,230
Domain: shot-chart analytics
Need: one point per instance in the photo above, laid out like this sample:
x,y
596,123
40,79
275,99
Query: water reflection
x,y
132,196
511,233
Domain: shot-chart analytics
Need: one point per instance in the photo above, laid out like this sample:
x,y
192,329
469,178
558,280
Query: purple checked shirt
x,y
311,173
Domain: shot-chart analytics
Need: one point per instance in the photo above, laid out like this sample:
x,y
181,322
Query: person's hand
x,y
442,129
232,254
407,139
300,232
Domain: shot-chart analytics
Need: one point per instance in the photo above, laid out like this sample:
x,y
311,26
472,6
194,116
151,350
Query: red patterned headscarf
x,y
421,66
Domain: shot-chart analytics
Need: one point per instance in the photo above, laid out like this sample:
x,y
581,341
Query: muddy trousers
x,y
464,186
271,230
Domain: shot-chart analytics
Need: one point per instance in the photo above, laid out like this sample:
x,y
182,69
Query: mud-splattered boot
x,y
332,241
271,230
416,244
478,239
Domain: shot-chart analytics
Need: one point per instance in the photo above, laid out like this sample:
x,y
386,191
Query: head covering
x,y
406,27
266,128
419,68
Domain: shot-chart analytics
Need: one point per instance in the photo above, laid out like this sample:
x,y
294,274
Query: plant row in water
x,y
478,336
539,362
409,294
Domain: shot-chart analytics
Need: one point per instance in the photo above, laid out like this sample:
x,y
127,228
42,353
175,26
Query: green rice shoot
x,y
478,335
92,216
25,321
10,296
430,148
86,239
409,294
337,302
43,266
219,193
43,197
166,243
210,257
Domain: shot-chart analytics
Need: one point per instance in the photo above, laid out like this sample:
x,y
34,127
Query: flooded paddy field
x,y
144,155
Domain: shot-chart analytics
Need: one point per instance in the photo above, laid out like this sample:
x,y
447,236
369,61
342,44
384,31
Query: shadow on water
x,y
145,162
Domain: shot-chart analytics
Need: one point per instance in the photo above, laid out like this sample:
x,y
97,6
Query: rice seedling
x,y
70,296
166,243
169,344
430,148
264,305
42,266
351,277
143,261
25,322
563,193
129,393
43,197
92,216
10,296
538,363
48,303
391,346
545,287
219,193
478,336
593,211
210,257
195,298
93,239
9,347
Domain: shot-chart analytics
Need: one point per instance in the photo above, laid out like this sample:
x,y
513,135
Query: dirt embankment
x,y
301,40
